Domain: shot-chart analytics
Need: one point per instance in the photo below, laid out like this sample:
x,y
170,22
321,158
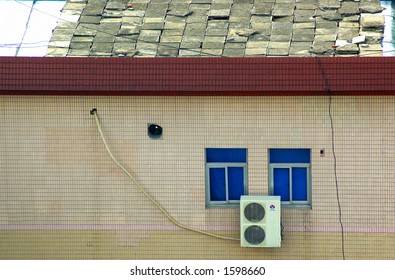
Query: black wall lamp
x,y
155,131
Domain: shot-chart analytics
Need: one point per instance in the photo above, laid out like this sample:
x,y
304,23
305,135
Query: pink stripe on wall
x,y
338,229
207,228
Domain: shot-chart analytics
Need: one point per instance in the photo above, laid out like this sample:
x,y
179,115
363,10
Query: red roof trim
x,y
198,76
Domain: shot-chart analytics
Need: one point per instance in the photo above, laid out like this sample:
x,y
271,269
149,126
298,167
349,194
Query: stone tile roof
x,y
228,28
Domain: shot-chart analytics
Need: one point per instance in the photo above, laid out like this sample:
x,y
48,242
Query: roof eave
x,y
198,76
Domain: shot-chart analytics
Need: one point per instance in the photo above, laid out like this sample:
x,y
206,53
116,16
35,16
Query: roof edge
x,y
197,76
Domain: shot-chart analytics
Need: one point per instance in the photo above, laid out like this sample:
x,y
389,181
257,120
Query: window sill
x,y
293,206
230,206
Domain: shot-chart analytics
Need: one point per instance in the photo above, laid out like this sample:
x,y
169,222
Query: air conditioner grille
x,y
254,235
254,212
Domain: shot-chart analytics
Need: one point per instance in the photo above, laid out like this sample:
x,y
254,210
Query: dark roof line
x,y
198,76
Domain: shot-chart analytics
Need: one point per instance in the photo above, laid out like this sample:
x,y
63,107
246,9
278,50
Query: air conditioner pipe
x,y
136,183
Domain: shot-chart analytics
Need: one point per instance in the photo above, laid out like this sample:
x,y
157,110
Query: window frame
x,y
292,203
225,165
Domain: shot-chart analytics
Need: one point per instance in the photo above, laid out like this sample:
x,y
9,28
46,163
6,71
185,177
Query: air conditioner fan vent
x,y
254,212
254,235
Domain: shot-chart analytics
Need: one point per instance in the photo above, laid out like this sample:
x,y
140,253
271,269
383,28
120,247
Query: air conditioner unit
x,y
260,221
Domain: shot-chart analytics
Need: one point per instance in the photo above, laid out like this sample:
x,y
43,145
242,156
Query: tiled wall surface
x,y
63,197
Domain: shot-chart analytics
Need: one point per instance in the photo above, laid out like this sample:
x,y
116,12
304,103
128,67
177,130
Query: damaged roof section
x,y
230,28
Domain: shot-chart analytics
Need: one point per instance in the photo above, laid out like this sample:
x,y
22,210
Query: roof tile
x,y
189,76
269,20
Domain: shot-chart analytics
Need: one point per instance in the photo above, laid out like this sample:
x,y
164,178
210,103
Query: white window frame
x,y
224,165
291,203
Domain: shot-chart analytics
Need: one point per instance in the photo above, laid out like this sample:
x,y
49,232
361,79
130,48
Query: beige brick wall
x,y
58,185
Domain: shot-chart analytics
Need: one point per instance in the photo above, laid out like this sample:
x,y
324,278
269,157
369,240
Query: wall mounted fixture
x,y
155,131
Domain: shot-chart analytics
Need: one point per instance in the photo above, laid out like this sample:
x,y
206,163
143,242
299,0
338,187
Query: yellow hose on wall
x,y
94,113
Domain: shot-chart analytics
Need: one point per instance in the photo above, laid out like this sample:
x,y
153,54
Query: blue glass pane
x,y
226,155
299,183
235,182
217,184
281,183
289,155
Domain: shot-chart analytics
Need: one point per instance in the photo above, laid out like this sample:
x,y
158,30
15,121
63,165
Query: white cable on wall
x,y
136,183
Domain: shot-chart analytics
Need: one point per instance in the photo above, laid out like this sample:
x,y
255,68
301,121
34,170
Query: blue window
x,y
289,176
226,175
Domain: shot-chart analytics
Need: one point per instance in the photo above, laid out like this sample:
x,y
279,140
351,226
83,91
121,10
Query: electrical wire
x,y
136,183
335,172
330,101
26,27
32,45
